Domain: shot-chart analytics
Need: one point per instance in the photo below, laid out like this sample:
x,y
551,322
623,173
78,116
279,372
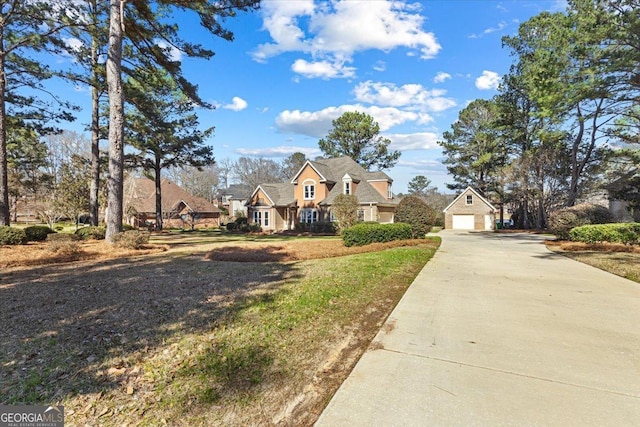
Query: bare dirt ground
x,y
91,329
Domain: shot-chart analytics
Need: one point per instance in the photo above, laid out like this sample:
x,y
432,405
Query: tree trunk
x,y
95,132
116,122
5,215
575,173
540,220
158,178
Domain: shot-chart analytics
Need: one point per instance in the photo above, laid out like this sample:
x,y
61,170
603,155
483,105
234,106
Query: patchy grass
x,y
619,259
178,339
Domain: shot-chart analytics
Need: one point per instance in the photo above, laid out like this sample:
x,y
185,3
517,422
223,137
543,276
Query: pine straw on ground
x,y
568,246
43,253
299,250
621,260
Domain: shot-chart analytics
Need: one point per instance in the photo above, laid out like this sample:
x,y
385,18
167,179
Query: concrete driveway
x,y
497,330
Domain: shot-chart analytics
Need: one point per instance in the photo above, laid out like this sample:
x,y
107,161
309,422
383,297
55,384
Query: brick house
x,y
308,197
179,208
470,211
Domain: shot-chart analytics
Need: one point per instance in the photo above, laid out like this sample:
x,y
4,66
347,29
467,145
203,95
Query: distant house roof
x,y
236,191
140,196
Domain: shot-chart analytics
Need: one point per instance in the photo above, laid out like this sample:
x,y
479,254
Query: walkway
x,y
496,330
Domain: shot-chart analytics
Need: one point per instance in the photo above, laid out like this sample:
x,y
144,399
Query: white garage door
x,y
462,222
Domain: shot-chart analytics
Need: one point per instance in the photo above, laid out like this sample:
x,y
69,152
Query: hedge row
x,y
366,233
626,233
563,220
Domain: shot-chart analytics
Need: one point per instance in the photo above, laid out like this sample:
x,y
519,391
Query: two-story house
x,y
310,194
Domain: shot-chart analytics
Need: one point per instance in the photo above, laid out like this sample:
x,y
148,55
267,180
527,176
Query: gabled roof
x,y
469,189
235,191
279,194
332,170
140,195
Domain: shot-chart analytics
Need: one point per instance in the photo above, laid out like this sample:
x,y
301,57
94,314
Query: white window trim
x,y
469,199
309,189
306,214
265,219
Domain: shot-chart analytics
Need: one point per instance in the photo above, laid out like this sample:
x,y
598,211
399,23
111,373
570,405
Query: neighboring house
x,y
470,211
234,199
179,208
311,192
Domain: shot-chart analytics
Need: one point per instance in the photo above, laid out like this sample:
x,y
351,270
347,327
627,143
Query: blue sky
x,y
296,65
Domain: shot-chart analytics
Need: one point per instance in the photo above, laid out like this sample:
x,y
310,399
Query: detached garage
x,y
469,211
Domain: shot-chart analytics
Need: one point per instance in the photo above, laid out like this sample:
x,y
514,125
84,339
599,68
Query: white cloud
x,y
331,32
173,53
318,123
413,141
73,43
322,69
380,66
280,151
441,77
488,80
237,104
489,30
412,96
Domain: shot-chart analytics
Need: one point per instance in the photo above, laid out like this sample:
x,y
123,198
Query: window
x,y
266,219
309,190
308,215
469,199
347,187
257,217
389,192
360,214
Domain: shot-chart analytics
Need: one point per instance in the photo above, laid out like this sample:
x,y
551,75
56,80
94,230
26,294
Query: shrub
x,y
232,226
127,227
345,209
87,233
626,233
366,233
414,211
132,239
38,233
12,236
563,220
67,247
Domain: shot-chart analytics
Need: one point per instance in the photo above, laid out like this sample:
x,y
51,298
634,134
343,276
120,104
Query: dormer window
x,y
389,192
469,199
347,184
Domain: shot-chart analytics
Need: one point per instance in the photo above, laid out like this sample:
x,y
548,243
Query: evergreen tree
x,y
357,135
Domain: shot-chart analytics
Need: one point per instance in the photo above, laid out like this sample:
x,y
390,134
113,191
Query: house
x,y
179,208
470,211
308,197
234,199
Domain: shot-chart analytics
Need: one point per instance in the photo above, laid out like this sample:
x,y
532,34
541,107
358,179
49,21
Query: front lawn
x,y
179,339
